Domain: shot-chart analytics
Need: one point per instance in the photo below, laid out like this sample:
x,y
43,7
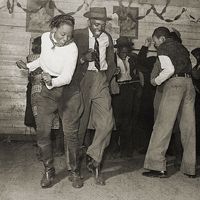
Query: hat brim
x,y
128,46
89,16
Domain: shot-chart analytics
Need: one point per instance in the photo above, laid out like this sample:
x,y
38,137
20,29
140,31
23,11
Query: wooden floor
x,y
20,174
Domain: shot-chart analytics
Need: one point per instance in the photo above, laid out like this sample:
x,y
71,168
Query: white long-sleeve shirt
x,y
124,73
59,61
167,69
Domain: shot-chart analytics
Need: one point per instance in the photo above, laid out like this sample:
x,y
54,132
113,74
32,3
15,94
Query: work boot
x,y
48,176
72,150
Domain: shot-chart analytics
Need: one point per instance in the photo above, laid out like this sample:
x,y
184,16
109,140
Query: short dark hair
x,y
36,45
62,19
196,52
161,31
175,37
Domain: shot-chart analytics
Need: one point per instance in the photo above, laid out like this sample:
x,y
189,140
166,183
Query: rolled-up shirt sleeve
x,y
67,73
33,65
167,69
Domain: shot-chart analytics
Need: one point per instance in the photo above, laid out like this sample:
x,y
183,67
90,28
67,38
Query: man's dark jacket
x,y
81,38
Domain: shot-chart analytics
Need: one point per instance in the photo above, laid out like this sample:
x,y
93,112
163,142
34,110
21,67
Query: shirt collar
x,y
53,37
54,42
90,33
127,57
92,36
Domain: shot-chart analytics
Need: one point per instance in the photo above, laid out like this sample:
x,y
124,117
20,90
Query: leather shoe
x,y
76,180
99,180
154,173
48,178
190,176
94,168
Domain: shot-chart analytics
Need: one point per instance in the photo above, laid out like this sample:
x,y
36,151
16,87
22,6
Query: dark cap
x,y
124,42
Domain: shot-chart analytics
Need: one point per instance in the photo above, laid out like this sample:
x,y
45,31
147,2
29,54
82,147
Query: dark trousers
x,y
68,102
71,111
126,106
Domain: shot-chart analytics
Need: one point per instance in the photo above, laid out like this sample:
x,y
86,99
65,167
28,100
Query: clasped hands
x,y
89,56
46,77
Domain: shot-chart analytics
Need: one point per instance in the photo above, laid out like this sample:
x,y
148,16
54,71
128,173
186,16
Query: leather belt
x,y
182,75
127,82
53,76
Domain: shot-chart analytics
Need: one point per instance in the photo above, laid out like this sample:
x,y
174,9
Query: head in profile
x,y
159,36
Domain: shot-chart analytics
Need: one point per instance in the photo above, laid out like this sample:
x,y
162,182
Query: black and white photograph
x,y
99,99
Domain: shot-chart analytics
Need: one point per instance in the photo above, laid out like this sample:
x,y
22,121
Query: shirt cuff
x,y
48,87
157,81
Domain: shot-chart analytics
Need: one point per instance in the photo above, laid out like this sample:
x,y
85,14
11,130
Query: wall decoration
x,y
178,3
38,20
127,20
10,6
86,4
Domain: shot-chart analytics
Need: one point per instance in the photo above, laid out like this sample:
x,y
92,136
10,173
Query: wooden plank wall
x,y
15,40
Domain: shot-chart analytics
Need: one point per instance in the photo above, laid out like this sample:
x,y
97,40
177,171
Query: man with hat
x,y
126,104
96,59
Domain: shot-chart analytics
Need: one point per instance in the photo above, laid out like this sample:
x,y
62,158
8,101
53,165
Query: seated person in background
x,y
126,104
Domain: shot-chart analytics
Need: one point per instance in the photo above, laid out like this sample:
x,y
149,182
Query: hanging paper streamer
x,y
193,19
10,6
152,8
52,4
33,10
